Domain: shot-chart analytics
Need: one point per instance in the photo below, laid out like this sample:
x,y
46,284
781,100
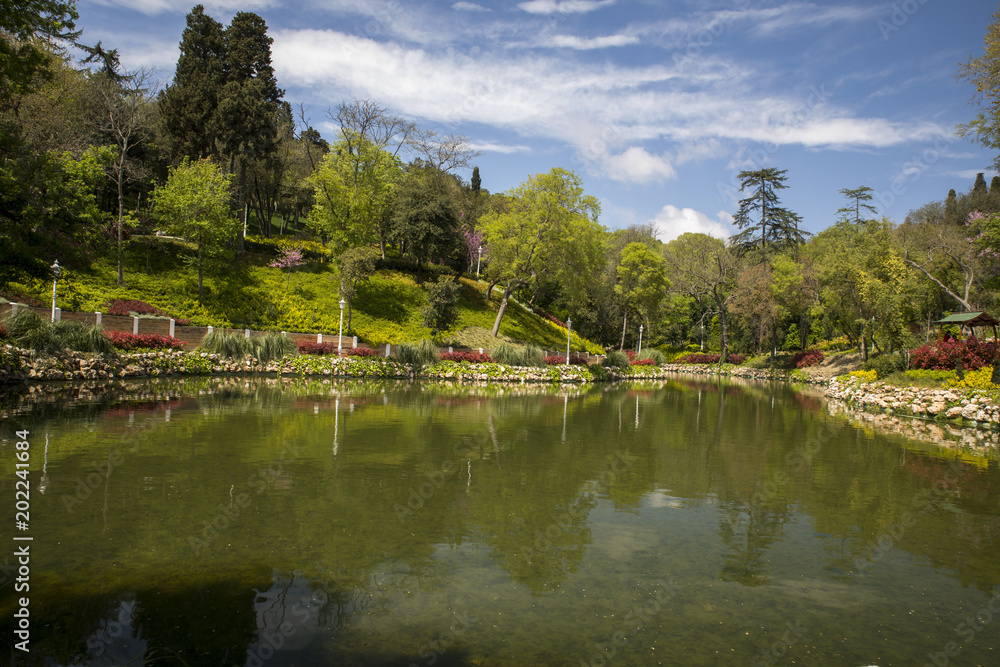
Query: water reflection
x,y
336,522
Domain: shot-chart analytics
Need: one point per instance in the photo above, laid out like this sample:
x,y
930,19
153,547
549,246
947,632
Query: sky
x,y
657,105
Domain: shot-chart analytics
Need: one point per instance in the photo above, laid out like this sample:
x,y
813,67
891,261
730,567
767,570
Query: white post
x,y
450,351
480,350
387,346
13,309
355,342
135,326
171,327
246,333
340,332
478,263
319,338
211,328
58,315
640,341
97,318
569,327
55,282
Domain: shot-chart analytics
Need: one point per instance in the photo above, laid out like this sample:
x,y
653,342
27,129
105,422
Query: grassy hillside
x,y
246,292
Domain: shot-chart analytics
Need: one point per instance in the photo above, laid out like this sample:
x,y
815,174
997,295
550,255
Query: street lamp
x,y
640,341
340,333
56,272
479,261
569,325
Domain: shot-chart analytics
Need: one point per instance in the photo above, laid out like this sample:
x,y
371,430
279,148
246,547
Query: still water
x,y
226,521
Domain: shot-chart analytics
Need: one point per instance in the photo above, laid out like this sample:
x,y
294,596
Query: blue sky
x,y
656,104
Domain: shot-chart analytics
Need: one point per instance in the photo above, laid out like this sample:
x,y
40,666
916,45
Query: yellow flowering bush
x,y
980,379
866,376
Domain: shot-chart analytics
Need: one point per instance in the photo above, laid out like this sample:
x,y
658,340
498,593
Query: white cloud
x,y
469,7
671,222
151,7
636,165
585,44
563,6
492,147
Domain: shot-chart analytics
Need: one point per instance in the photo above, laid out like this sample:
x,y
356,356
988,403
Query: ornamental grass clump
x,y
226,344
509,354
417,355
616,359
29,331
654,355
271,346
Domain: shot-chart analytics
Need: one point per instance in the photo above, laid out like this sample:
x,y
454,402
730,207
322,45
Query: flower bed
x,y
556,360
471,357
129,342
972,354
807,358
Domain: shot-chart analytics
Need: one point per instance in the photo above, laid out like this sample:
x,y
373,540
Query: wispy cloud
x,y
563,6
671,222
152,7
469,7
587,43
492,147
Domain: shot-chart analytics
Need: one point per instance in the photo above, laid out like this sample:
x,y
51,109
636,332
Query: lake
x,y
257,521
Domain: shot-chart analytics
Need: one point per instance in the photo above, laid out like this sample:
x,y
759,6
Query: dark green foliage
x,y
417,355
616,359
951,213
235,345
761,217
25,28
518,355
426,222
476,182
29,331
654,354
441,312
885,364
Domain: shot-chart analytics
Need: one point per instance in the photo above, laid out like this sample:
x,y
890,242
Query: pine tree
x,y
979,199
859,198
773,223
477,183
994,196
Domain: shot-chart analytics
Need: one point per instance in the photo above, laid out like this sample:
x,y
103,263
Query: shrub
x,y
556,360
3,333
518,355
14,296
885,364
867,376
701,359
471,357
616,359
807,358
363,352
228,345
441,312
312,347
970,355
736,359
133,307
271,346
643,362
837,344
979,379
129,342
654,355
417,354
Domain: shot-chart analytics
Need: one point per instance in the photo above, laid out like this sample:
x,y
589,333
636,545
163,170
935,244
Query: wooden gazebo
x,y
970,321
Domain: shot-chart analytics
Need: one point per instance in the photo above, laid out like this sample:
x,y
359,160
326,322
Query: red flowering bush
x,y
700,359
129,342
312,347
972,354
3,332
807,358
363,352
631,354
471,357
556,360
125,308
643,362
20,297
736,359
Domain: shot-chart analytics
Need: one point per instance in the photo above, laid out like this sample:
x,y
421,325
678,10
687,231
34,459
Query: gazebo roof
x,y
978,319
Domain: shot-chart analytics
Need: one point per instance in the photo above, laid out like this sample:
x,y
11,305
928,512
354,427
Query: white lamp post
x,y
569,325
640,341
479,261
56,272
340,333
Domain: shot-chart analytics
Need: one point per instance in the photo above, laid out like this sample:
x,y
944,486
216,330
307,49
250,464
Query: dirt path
x,y
833,366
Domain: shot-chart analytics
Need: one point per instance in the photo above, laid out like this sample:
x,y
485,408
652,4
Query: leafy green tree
x,y
28,28
951,214
859,198
545,216
984,73
355,188
441,311
194,204
426,220
704,268
979,197
760,215
642,284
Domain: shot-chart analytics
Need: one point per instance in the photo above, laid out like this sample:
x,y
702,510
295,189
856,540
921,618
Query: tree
x,y
289,259
28,30
546,214
366,121
441,311
979,197
194,204
125,118
984,73
776,225
642,283
189,105
943,254
477,182
444,153
355,187
703,267
356,265
859,198
426,222
951,214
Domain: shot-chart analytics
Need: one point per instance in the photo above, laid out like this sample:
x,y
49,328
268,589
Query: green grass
x,y
246,293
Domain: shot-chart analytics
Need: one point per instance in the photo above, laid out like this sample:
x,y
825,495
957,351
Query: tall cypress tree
x,y
979,199
951,214
189,105
477,182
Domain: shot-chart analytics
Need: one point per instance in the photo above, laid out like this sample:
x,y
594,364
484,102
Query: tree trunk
x,y
624,324
724,326
503,306
201,289
120,216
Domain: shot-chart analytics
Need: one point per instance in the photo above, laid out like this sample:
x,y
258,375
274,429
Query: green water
x,y
230,521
